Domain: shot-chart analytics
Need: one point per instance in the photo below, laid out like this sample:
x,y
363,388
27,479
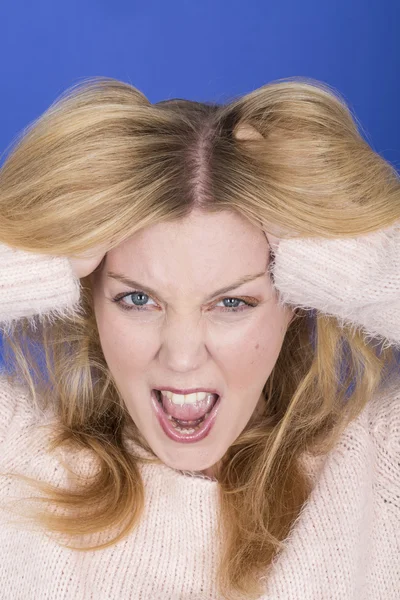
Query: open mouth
x,y
192,423
186,430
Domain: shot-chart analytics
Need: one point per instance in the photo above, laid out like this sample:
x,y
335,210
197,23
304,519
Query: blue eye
x,y
142,298
141,301
235,308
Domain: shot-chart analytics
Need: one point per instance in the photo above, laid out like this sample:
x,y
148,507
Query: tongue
x,y
189,412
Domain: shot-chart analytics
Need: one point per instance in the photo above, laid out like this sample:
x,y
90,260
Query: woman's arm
x,y
36,284
356,280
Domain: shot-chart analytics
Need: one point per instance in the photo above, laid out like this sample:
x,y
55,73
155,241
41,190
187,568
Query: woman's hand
x,y
86,263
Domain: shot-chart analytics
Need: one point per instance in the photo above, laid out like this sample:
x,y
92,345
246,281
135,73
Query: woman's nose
x,y
182,346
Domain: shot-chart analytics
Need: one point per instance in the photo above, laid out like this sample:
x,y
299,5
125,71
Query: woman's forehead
x,y
198,235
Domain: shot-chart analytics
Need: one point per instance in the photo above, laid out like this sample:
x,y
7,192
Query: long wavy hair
x,y
102,163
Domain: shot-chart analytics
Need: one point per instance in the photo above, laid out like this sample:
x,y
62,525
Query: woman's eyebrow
x,y
137,285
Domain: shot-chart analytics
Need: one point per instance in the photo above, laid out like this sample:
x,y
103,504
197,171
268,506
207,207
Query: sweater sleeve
x,y
31,285
356,279
36,285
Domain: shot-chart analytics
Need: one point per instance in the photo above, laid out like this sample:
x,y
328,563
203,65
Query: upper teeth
x,y
185,398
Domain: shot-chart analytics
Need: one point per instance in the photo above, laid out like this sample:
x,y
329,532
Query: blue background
x,y
203,50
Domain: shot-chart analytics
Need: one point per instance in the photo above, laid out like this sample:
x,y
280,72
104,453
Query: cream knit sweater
x,y
346,543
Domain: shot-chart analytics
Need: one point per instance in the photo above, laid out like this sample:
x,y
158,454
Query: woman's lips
x,y
192,435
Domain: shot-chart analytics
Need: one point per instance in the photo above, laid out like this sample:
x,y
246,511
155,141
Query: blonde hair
x,y
102,163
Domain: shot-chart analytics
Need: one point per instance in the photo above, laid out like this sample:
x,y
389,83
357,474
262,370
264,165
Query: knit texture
x,y
356,280
346,542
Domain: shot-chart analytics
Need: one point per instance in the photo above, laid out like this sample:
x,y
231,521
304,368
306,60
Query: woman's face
x,y
186,334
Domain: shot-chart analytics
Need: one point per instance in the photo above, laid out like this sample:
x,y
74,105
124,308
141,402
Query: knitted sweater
x,y
345,544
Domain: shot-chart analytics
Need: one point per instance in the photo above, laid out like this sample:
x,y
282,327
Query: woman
x,y
249,252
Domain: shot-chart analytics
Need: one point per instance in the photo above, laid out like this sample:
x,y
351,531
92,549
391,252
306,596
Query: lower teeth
x,y
184,429
187,430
